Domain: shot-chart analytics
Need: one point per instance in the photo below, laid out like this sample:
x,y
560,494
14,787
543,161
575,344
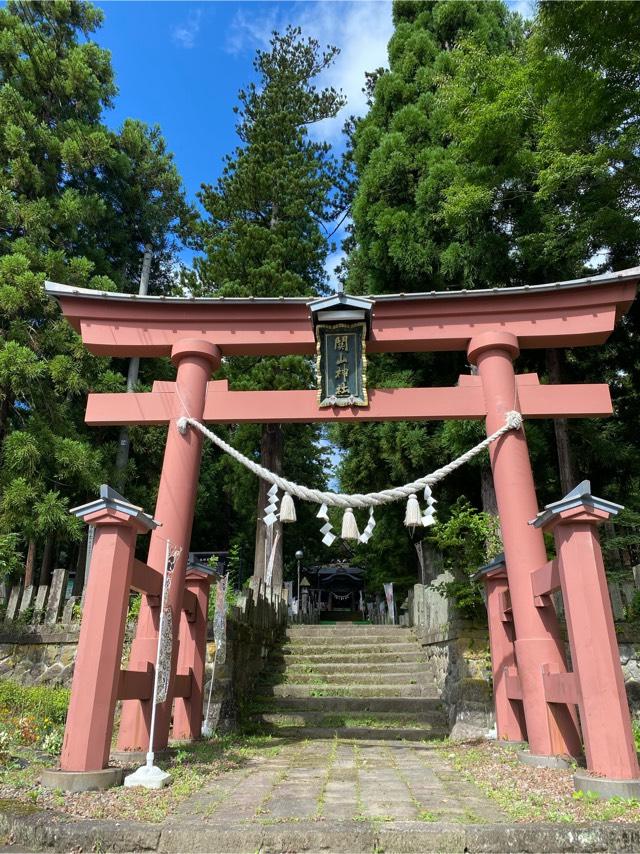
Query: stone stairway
x,y
349,680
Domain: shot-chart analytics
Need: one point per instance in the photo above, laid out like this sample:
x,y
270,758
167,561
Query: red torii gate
x,y
491,326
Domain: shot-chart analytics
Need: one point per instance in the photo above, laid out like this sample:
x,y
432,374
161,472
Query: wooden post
x,y
510,723
597,683
94,689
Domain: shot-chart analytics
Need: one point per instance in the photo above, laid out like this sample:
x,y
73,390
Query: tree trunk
x,y
488,492
30,563
568,476
271,458
78,581
489,501
47,560
429,560
5,411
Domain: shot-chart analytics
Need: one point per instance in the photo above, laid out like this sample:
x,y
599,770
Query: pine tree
x,y
265,234
77,203
494,155
402,168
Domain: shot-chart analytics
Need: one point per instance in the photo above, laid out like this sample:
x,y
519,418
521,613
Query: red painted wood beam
x,y
563,317
138,684
189,604
135,684
512,683
182,684
561,688
398,404
546,579
145,579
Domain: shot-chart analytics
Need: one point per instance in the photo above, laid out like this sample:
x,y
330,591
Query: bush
x,y
467,540
41,701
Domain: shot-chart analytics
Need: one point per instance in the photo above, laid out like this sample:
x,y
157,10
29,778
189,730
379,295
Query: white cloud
x,y
330,264
185,34
527,8
360,29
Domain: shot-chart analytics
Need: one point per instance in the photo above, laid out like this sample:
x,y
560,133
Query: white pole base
x,y
148,776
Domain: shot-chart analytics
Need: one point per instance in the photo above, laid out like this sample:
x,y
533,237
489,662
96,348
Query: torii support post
x,y
96,675
195,361
510,723
551,727
597,680
187,713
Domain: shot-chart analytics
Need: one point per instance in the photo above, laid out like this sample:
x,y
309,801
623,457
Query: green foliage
x,y
134,607
263,236
496,153
467,540
78,203
10,557
40,701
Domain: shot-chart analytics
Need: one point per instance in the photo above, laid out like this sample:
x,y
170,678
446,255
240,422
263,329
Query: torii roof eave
x,y
56,290
570,313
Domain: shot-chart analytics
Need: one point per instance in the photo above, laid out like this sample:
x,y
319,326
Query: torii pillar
x,y
510,722
551,727
195,361
188,712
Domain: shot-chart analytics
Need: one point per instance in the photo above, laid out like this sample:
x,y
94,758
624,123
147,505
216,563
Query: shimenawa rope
x,y
513,421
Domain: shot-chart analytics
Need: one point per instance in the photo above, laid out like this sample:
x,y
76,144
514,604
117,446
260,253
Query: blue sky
x,y
181,64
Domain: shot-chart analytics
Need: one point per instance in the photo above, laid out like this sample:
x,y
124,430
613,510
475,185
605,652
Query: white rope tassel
x,y
413,517
287,509
513,421
349,526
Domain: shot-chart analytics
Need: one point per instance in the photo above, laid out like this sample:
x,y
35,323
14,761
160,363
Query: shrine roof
x,y
55,290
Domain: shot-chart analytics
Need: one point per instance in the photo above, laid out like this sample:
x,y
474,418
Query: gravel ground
x,y
191,766
532,794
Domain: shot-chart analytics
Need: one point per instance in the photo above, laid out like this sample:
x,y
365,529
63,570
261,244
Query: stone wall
x,y
458,652
40,654
254,626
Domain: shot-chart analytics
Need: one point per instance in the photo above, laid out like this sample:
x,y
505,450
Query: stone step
x,y
349,690
349,641
436,718
359,733
350,667
346,657
373,676
307,649
355,705
345,629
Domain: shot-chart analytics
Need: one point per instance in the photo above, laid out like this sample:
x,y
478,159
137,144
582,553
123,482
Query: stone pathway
x,y
348,785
